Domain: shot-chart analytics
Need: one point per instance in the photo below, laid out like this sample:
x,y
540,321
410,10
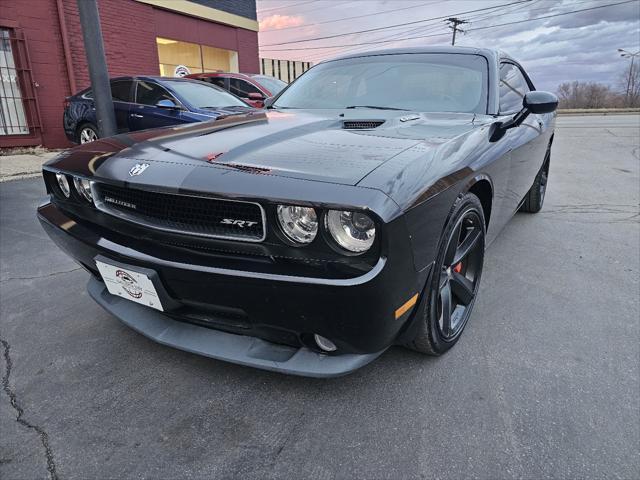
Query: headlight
x,y
83,186
299,224
63,183
353,231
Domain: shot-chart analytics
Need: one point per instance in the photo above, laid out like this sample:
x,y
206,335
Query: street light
x,y
632,56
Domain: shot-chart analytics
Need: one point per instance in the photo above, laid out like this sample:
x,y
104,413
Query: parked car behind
x,y
149,102
250,87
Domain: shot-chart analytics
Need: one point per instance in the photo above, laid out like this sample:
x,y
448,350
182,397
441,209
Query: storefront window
x,y
178,59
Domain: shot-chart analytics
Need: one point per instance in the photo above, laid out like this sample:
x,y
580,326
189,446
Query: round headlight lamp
x,y
63,183
353,231
83,186
299,224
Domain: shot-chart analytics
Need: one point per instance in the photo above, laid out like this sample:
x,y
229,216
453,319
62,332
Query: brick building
x,y
42,57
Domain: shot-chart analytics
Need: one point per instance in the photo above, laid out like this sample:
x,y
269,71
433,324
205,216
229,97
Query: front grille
x,y
361,124
193,215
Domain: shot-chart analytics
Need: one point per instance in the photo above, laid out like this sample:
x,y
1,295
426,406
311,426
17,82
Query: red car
x,y
250,87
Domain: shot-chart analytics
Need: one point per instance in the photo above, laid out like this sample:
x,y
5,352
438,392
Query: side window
x,y
121,90
241,88
217,81
149,93
513,87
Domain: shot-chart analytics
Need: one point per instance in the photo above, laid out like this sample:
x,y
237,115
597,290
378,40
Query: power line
x,y
391,26
429,27
341,50
333,4
551,16
441,34
351,18
433,25
511,11
354,44
285,6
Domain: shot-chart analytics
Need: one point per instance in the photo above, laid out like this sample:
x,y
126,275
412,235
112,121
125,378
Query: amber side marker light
x,y
404,308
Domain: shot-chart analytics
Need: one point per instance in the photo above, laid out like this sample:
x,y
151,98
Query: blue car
x,y
150,102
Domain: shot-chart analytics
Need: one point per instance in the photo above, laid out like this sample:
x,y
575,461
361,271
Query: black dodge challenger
x,y
351,215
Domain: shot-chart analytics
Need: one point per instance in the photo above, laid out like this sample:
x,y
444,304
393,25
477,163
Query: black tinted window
x,y
149,93
513,87
241,88
121,90
217,81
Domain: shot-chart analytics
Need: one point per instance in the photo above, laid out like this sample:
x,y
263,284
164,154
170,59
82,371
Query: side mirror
x,y
533,102
166,103
255,96
268,102
540,102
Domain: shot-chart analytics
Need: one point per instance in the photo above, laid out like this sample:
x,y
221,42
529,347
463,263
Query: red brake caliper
x,y
458,267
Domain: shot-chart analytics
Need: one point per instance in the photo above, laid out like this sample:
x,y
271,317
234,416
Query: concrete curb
x,y
19,176
604,112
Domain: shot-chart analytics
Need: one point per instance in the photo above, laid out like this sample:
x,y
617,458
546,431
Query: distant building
x,y
285,70
42,58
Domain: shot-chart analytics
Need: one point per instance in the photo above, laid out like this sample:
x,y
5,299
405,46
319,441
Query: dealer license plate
x,y
129,284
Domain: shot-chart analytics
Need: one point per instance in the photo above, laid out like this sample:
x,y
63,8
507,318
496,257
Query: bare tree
x,y
586,95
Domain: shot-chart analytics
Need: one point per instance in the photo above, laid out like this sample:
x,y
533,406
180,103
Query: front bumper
x,y
239,349
274,317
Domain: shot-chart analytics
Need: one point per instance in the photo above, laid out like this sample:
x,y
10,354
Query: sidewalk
x,y
23,165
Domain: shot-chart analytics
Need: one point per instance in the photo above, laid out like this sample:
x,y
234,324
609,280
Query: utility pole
x,y
632,56
453,25
94,48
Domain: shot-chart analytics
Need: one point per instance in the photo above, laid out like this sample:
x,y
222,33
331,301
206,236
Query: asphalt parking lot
x,y
544,382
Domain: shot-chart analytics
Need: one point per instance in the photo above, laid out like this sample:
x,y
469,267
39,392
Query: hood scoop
x,y
361,124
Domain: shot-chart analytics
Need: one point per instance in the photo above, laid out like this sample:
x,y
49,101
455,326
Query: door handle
x,y
135,115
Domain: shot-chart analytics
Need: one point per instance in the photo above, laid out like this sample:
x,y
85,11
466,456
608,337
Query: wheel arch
x,y
482,187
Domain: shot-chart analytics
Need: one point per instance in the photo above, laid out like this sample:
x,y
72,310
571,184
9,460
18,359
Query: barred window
x,y
13,120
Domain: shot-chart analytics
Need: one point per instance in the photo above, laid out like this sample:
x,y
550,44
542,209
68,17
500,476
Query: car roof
x,y
218,74
155,78
487,52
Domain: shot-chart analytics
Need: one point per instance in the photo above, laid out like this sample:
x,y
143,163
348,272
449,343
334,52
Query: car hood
x,y
302,144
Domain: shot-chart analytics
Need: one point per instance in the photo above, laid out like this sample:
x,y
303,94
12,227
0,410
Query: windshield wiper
x,y
375,107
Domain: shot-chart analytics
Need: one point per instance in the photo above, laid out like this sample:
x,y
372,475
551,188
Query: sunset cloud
x,y
276,22
563,44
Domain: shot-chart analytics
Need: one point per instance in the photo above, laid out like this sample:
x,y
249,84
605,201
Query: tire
x,y
87,132
466,226
534,199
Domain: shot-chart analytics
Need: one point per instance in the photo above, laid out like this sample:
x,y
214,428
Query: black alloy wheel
x,y
454,283
460,275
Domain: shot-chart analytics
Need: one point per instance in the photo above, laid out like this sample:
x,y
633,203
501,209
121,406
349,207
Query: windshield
x,y
272,84
419,82
201,95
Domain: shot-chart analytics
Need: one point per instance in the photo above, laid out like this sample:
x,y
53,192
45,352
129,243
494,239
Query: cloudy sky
x,y
573,46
